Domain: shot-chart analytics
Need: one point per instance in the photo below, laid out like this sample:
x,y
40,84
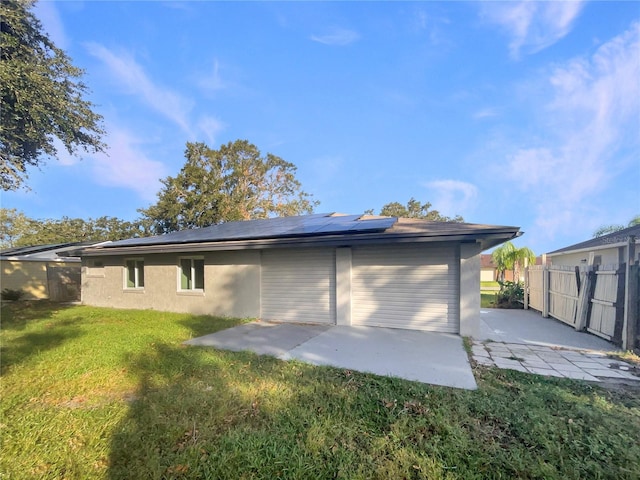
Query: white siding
x,y
412,287
299,285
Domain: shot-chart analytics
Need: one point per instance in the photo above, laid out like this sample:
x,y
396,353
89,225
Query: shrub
x,y
511,295
11,295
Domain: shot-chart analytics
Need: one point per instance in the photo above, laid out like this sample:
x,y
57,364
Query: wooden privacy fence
x,y
563,293
599,298
534,277
63,283
607,302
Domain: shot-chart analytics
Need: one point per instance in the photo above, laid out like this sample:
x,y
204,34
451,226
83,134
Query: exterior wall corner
x,y
470,289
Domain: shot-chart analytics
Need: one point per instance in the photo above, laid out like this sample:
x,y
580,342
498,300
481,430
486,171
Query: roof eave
x,y
487,240
590,249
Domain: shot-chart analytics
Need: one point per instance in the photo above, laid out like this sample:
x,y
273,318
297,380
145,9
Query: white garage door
x,y
406,287
299,285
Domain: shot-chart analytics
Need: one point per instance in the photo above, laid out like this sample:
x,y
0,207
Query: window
x,y
191,274
134,273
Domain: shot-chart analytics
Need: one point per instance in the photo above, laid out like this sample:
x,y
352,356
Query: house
x,y
489,270
605,250
42,271
602,296
320,268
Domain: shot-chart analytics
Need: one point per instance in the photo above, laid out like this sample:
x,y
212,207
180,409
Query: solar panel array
x,y
307,225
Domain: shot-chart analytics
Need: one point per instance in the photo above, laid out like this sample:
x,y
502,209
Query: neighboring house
x,y
605,250
42,271
331,269
489,270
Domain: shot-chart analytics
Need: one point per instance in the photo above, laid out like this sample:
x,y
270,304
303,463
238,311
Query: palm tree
x,y
509,257
501,256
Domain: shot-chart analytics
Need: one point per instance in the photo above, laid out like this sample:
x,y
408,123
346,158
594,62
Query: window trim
x,y
137,286
193,289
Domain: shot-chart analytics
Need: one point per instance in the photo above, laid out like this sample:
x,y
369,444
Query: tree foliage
x,y
232,183
607,229
18,230
509,257
415,209
42,97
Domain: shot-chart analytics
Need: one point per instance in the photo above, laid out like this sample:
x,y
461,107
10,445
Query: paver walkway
x,y
589,365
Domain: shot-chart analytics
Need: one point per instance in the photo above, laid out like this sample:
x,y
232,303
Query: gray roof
x,y
317,224
49,252
601,242
309,230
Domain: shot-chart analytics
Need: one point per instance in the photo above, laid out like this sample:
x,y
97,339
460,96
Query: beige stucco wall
x,y
29,277
232,284
609,257
470,289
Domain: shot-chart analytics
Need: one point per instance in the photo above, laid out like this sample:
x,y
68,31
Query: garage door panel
x,y
406,287
298,285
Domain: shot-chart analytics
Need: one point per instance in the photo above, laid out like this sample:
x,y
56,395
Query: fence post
x,y
630,300
584,297
545,292
526,288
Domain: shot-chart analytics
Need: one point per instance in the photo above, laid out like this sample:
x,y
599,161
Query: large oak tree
x,y
415,209
18,230
234,182
42,97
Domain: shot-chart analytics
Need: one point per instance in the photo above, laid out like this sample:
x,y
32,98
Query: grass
x,y
487,299
100,393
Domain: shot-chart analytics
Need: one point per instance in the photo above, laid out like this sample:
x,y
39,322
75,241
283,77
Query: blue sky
x,y
507,113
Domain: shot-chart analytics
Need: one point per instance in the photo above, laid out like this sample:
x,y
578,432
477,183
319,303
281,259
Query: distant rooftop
x,y
48,252
616,237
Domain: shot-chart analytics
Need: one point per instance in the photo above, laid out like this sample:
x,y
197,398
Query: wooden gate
x,y
535,286
607,304
563,293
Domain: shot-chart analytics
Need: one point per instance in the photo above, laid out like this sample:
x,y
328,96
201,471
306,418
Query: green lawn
x,y
101,393
487,299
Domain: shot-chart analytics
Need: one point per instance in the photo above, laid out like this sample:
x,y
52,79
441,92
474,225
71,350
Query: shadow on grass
x,y
24,345
16,315
188,402
205,413
201,325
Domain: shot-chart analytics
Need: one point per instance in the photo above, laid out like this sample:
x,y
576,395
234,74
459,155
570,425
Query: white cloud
x,y
592,118
452,197
211,127
532,26
337,37
132,76
125,165
212,82
488,112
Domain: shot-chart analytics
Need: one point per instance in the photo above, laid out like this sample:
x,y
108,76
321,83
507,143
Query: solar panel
x,y
308,225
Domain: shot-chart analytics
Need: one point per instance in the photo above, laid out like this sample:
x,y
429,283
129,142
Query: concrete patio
x,y
523,340
511,339
434,358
